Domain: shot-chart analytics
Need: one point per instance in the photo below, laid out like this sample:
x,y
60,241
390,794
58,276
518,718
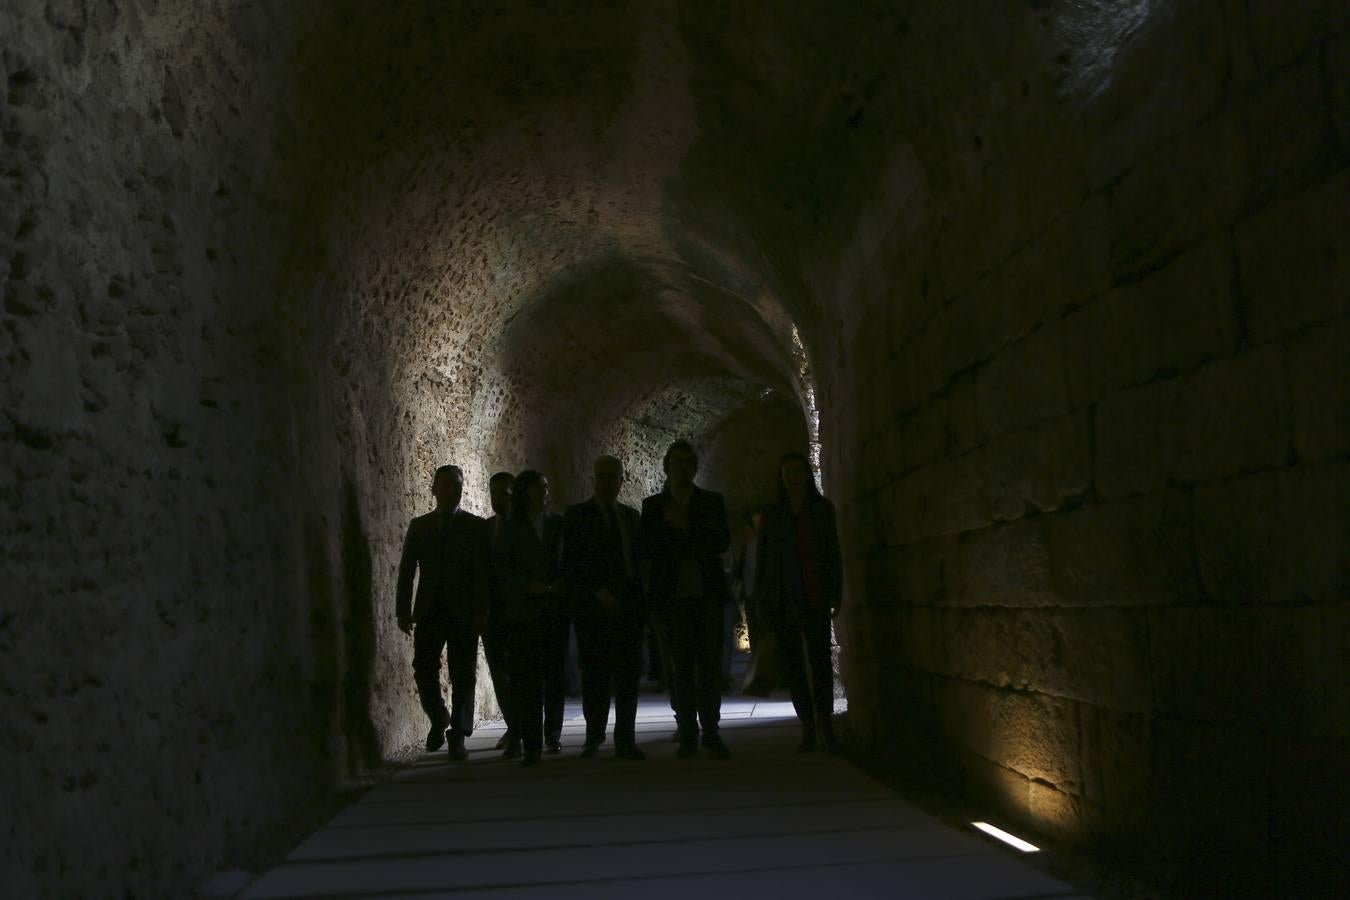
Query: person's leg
x,y
730,613
663,633
789,638
682,625
526,684
554,670
627,671
593,652
708,662
496,650
817,635
753,627
428,642
572,660
651,655
461,657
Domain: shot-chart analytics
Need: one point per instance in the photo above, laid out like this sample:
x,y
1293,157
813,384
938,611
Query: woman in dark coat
x,y
798,590
530,590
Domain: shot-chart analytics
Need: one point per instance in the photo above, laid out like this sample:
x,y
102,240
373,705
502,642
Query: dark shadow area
x,y
363,747
322,684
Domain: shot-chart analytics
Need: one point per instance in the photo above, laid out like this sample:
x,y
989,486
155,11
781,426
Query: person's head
x,y
499,492
447,486
795,478
681,464
608,472
529,494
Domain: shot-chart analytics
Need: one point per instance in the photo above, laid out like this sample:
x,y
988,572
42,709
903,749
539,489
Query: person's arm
x,y
645,544
646,537
578,567
559,584
407,569
482,572
506,568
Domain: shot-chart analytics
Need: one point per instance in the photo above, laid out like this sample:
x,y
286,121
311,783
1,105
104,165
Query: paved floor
x,y
768,823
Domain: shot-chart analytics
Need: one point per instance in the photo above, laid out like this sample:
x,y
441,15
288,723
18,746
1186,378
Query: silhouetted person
x,y
684,533
654,670
600,559
525,569
496,637
730,616
798,589
447,551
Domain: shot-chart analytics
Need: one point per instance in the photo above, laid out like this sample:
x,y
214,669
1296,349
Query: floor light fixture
x,y
1010,839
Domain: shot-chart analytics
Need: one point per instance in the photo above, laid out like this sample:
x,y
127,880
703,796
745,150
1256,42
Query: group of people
x,y
524,577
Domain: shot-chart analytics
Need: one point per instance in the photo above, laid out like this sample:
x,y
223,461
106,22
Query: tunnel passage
x,y
1067,277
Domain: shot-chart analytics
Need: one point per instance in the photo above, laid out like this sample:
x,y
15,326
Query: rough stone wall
x,y
153,718
1090,425
740,458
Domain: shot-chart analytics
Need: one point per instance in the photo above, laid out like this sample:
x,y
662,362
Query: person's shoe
x,y
531,759
687,748
676,734
716,749
436,734
504,740
457,751
629,752
553,746
512,750
589,749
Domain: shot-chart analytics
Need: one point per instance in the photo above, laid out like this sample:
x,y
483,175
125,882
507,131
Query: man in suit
x,y
530,589
496,637
447,551
684,533
600,559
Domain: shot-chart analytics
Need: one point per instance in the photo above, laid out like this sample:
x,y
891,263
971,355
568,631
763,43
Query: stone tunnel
x,y
1054,292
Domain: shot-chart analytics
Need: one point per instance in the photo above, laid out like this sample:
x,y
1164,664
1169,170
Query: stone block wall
x,y
163,687
1098,542
741,456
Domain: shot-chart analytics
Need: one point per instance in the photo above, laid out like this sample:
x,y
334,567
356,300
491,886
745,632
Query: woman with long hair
x,y
798,589
529,588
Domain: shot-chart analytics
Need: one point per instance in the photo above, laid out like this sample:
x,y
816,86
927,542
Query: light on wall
x,y
808,393
742,636
1010,839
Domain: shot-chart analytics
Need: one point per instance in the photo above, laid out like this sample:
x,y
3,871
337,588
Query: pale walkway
x,y
767,823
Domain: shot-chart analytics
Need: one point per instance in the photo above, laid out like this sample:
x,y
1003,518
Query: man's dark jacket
x,y
664,547
520,557
449,553
593,557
